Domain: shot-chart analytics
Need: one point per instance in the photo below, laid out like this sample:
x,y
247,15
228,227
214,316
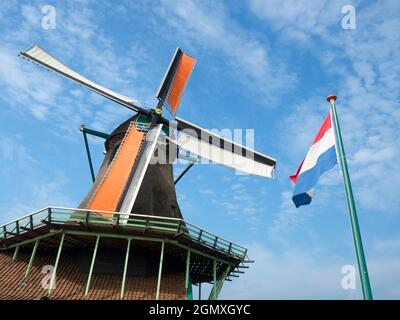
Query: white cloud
x,y
46,191
287,219
209,26
304,15
299,274
236,186
366,78
79,42
24,87
31,14
14,152
302,19
387,245
370,126
32,92
37,186
292,274
206,191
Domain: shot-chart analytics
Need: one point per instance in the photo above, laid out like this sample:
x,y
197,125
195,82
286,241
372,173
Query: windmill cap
x,y
331,97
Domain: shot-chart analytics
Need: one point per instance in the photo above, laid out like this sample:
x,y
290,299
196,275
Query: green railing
x,y
164,225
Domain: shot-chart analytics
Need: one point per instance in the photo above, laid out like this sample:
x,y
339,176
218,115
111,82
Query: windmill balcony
x,y
192,255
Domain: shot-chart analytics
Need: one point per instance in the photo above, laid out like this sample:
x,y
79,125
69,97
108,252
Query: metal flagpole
x,y
362,265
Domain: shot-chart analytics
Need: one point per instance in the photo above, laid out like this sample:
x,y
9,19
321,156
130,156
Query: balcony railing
x,y
74,217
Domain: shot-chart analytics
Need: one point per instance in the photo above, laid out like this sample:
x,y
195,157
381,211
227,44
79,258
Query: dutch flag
x,y
320,158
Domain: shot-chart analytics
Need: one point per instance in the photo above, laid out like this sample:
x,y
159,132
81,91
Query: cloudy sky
x,y
262,65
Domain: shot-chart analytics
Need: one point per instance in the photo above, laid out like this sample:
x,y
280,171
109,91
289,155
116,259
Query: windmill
x,y
134,192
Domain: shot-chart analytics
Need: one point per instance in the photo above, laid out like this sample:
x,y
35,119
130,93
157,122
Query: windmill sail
x,y
132,190
109,189
41,57
217,149
175,79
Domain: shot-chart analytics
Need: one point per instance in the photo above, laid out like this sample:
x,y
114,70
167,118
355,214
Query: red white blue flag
x,y
320,158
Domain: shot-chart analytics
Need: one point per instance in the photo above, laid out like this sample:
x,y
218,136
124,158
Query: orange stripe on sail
x,y
181,77
112,187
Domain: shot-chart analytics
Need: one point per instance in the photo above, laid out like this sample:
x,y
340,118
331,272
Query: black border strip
x,y
163,93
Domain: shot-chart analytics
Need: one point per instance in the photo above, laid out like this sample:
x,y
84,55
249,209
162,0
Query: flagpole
x,y
362,265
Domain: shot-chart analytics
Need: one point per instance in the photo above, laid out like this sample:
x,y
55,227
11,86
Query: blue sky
x,y
262,65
